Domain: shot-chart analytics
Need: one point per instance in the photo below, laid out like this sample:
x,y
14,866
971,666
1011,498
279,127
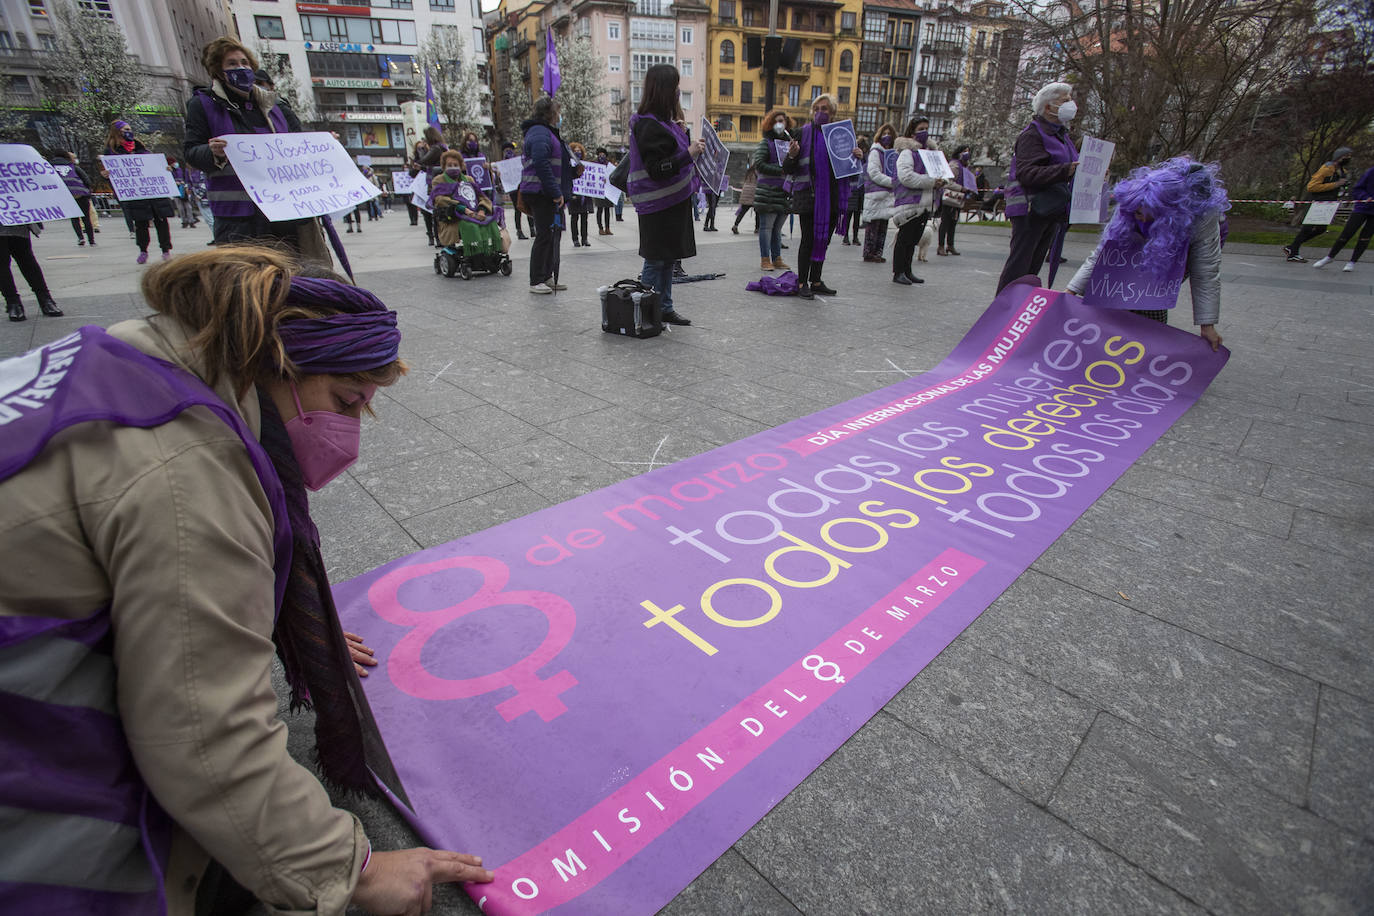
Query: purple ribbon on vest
x,y
820,189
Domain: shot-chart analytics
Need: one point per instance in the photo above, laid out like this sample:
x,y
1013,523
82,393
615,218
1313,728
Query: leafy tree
x,y
517,103
582,99
453,73
93,79
278,66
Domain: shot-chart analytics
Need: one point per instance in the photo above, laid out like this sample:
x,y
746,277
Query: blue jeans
x,y
770,235
659,275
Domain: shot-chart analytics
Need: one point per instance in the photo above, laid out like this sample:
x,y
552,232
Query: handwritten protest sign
x,y
31,191
1321,212
711,163
839,143
1090,182
508,170
479,172
592,181
935,163
140,176
1124,277
419,190
292,176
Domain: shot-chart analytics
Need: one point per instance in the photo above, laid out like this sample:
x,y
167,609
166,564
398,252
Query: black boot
x,y
48,307
15,310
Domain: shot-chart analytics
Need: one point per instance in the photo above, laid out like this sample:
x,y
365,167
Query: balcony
x,y
801,69
938,78
727,20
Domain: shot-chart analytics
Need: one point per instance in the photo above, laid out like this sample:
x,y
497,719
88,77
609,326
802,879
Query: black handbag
x,y
632,309
1052,201
620,175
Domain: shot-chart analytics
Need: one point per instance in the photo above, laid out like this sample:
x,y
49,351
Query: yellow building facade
x,y
830,41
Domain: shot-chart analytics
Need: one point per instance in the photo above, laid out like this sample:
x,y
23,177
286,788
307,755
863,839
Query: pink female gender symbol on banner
x,y
407,671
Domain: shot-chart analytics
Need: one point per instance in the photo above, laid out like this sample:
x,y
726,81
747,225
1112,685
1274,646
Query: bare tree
x,y
454,76
1161,77
582,99
94,80
13,120
288,87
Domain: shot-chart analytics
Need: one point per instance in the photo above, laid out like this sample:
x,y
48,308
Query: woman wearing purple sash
x,y
877,210
662,182
1167,225
1038,183
817,198
158,547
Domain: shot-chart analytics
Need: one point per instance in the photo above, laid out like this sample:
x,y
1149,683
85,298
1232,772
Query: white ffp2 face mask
x,y
1068,111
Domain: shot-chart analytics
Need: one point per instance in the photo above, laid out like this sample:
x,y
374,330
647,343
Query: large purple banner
x,y
600,698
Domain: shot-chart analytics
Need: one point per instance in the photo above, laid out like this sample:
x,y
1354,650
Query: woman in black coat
x,y
662,183
121,142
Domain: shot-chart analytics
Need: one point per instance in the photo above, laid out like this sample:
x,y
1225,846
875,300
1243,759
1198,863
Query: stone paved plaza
x,y
1172,711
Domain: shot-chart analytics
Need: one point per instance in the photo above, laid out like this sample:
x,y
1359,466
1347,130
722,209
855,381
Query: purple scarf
x,y
362,336
820,188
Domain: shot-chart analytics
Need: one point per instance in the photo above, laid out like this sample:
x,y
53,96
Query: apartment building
x,y
359,61
828,62
887,64
166,36
628,36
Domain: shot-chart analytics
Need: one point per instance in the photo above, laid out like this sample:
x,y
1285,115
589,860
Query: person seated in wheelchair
x,y
463,215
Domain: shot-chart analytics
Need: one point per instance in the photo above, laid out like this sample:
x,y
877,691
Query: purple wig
x,y
1173,195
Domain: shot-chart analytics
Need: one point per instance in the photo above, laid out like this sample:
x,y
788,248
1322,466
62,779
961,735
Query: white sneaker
x,y
1321,262
556,285
1348,267
541,289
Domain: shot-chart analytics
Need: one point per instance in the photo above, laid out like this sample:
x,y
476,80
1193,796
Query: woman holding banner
x,y
1167,225
662,182
772,203
951,200
579,205
233,103
1039,187
121,142
878,194
159,544
816,198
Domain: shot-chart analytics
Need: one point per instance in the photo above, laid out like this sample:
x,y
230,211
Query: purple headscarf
x,y
1175,192
362,336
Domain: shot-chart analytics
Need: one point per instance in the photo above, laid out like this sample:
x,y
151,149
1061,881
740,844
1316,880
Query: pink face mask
x,y
325,443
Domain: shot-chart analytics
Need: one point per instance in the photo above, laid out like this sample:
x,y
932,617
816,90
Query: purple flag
x,y
553,77
431,104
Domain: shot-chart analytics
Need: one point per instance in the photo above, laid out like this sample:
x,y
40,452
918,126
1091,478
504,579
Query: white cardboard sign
x,y
31,191
293,176
419,190
935,163
1321,212
509,171
140,176
1090,181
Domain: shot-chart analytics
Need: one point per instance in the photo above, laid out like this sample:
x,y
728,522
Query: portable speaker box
x,y
631,308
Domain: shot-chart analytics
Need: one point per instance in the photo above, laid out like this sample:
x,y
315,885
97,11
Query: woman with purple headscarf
x,y
817,198
158,546
1168,223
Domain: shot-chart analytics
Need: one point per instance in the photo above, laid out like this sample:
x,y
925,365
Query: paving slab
x,y
1213,836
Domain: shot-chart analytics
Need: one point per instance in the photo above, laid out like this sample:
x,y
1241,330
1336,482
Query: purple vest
x,y
65,766
1018,201
772,181
650,195
73,181
529,178
223,189
902,196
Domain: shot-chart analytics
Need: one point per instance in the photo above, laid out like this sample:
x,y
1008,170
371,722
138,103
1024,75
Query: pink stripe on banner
x,y
588,850
991,359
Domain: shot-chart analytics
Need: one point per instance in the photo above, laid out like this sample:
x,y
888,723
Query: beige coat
x,y
171,527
